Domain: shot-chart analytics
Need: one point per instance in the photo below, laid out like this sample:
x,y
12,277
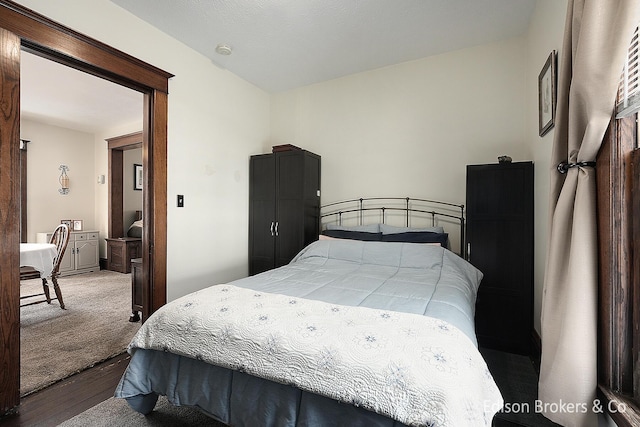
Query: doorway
x,y
116,147
21,28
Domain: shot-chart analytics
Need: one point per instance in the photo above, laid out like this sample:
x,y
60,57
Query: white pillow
x,y
323,237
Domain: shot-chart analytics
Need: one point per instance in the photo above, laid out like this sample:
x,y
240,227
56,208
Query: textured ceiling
x,y
283,44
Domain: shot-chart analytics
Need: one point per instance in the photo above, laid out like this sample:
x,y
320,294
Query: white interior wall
x,y
410,129
50,147
216,120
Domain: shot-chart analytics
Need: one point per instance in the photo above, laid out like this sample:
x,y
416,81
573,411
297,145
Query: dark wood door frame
x,y
22,28
117,146
23,190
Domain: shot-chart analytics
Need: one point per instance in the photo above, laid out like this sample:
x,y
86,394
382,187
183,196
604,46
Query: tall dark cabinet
x,y
500,244
284,207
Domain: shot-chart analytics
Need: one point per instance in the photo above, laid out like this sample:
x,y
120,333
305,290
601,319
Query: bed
x,y
135,229
358,329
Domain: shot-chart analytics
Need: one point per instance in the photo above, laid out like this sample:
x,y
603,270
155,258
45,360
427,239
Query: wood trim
x,y
117,145
634,285
620,408
116,194
23,193
155,200
616,280
615,250
9,221
23,28
54,41
125,142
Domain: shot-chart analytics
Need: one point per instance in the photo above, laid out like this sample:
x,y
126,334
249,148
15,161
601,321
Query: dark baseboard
x,y
536,348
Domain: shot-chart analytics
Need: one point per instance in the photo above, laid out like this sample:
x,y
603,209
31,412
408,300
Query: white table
x,y
40,256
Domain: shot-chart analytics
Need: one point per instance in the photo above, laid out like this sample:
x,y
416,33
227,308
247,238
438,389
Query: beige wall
x,y
411,129
50,147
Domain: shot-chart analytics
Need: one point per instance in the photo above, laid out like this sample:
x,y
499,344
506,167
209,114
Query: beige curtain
x,y
596,37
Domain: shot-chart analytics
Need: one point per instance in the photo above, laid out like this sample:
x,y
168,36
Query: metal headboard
x,y
381,208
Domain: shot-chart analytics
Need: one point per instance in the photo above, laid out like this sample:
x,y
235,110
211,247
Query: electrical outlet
x,y
180,201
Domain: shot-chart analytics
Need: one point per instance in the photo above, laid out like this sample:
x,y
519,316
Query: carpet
x,y
116,412
56,343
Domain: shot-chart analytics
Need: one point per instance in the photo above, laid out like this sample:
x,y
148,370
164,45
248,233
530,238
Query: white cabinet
x,y
82,254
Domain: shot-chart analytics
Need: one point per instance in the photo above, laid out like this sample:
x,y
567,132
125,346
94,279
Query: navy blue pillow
x,y
418,237
353,235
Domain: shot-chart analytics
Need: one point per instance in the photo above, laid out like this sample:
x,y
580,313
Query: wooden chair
x,y
60,238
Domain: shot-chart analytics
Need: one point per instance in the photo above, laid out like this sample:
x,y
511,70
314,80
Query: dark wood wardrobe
x,y
500,244
284,206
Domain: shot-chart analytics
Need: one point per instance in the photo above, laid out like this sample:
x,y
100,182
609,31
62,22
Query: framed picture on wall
x,y
77,225
547,93
68,223
137,177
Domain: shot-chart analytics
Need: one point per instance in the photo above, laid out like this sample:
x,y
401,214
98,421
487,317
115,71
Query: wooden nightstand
x,y
121,251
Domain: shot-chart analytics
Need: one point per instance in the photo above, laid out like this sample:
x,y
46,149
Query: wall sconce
x,y
64,180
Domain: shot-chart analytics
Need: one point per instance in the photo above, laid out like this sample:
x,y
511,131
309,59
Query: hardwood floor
x,y
69,397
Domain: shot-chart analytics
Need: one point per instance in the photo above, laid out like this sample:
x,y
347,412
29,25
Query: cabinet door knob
x,y
277,227
271,228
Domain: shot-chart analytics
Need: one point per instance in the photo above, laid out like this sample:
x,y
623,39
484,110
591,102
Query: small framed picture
x,y
137,177
68,223
547,94
77,225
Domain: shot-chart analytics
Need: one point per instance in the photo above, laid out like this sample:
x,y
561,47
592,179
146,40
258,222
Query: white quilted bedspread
x,y
415,369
